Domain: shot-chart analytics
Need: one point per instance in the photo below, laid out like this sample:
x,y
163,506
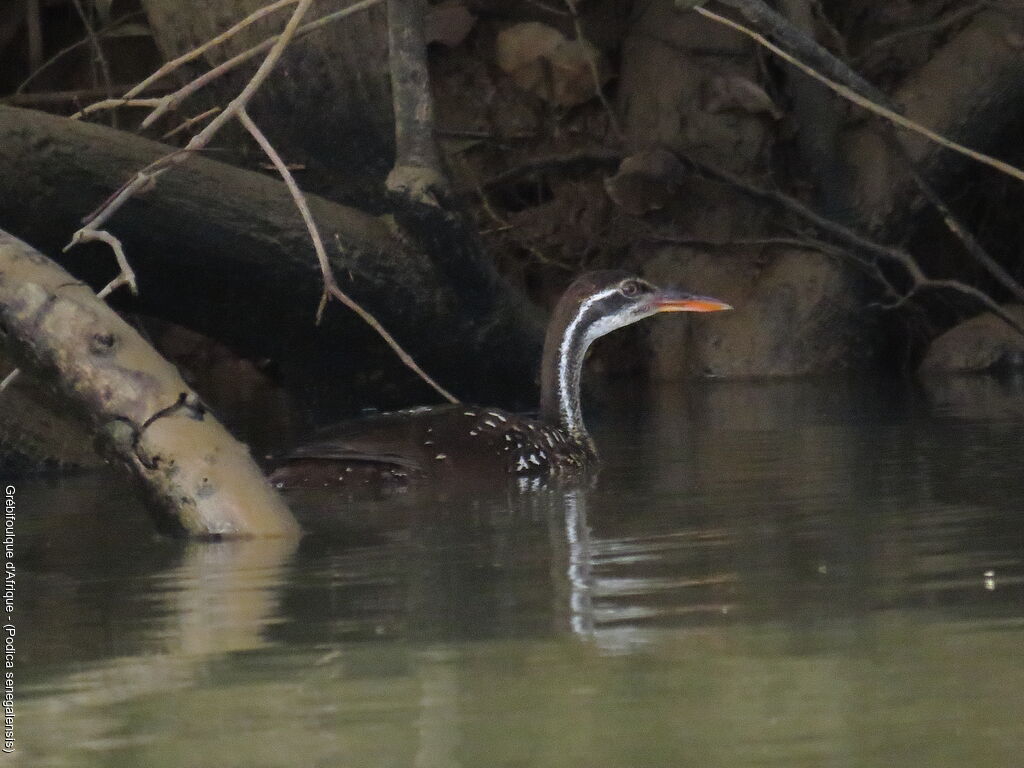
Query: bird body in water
x,y
448,441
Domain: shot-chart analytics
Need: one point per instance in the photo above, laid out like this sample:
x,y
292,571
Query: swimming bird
x,y
444,441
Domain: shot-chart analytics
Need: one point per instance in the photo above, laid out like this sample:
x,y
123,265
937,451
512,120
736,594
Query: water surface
x,y
783,574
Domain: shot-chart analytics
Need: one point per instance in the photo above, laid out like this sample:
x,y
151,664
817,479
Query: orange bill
x,y
676,301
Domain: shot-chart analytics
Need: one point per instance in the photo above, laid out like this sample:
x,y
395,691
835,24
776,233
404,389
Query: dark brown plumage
x,y
450,441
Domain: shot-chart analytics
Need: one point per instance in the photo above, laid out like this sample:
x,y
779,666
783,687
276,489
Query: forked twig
x,y
172,100
331,288
146,177
125,275
195,53
236,109
92,230
240,101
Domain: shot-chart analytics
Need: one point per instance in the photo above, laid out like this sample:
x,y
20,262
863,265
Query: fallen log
x,y
223,251
197,477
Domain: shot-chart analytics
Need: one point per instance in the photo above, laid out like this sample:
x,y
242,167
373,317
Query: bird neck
x,y
572,329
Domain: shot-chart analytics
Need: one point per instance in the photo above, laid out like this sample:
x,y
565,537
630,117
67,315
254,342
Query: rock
x,y
542,61
722,93
788,317
976,398
448,23
983,343
646,181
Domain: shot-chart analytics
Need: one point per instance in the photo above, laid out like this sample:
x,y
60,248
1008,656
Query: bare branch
x,y
236,109
141,411
147,177
73,47
97,48
331,288
242,99
862,93
98,106
417,172
195,53
938,25
918,278
190,122
853,96
969,241
126,275
171,101
743,242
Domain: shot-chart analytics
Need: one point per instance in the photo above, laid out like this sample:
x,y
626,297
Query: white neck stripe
x,y
571,417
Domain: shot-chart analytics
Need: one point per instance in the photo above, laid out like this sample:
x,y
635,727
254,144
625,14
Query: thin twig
x,y
143,180
195,53
9,379
126,275
77,96
547,8
750,242
190,122
863,93
300,200
577,161
148,103
99,57
918,278
457,133
331,288
174,99
850,95
147,177
935,26
969,241
109,29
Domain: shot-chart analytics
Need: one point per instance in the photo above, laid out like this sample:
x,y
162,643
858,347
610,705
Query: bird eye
x,y
630,289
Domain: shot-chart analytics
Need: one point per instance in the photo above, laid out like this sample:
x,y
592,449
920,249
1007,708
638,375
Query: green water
x,y
787,574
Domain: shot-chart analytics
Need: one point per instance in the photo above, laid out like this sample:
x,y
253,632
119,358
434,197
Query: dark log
x,y
224,252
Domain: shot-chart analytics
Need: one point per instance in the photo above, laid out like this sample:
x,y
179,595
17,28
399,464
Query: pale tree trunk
x,y
194,474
